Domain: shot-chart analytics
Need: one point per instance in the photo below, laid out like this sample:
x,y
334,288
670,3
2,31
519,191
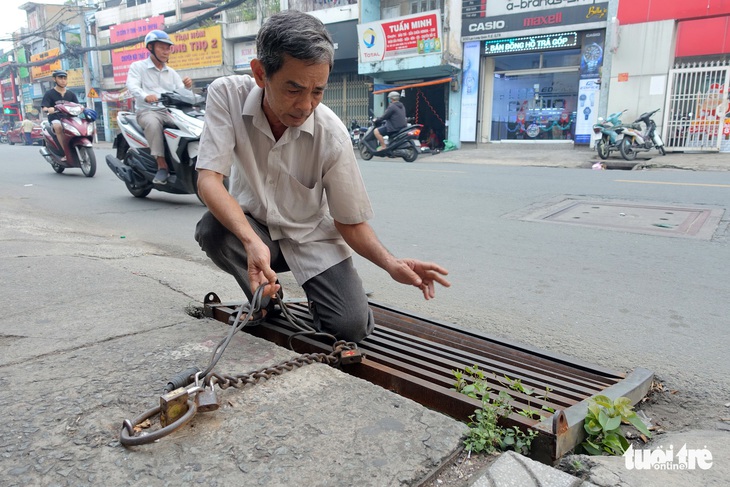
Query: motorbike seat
x,y
131,119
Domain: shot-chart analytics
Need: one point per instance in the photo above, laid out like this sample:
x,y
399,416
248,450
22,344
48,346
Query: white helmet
x,y
394,95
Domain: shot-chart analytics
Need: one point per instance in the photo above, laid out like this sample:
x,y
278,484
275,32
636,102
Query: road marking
x,y
674,184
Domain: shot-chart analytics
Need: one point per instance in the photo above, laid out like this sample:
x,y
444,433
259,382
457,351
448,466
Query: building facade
x,y
532,70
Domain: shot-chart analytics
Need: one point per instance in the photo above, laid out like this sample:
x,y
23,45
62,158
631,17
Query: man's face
x,y
293,92
62,81
162,51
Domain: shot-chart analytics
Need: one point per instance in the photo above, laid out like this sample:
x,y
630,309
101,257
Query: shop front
x,y
534,75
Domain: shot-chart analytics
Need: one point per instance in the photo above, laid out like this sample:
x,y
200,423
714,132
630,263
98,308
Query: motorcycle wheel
x,y
602,149
627,149
87,161
138,192
365,153
57,167
411,154
662,151
3,139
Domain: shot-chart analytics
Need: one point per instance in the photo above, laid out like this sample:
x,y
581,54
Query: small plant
x,y
603,425
485,434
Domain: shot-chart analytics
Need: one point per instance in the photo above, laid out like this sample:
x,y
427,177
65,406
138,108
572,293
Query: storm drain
x,y
665,220
415,357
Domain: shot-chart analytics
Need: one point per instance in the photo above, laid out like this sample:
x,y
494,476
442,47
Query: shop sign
x,y
198,48
124,57
243,54
539,17
470,92
408,36
75,77
45,70
531,43
504,7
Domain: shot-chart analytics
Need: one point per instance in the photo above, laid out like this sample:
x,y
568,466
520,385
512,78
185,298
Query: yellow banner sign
x,y
45,70
75,77
197,48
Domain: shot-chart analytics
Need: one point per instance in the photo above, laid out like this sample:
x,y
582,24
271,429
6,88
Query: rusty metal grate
x,y
414,357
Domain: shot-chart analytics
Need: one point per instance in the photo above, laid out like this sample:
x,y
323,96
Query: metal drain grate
x,y
665,220
414,357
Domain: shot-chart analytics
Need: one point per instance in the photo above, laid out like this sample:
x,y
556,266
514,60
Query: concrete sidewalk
x,y
568,155
94,327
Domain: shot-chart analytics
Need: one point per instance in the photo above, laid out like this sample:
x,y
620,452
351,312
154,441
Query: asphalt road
x,y
611,297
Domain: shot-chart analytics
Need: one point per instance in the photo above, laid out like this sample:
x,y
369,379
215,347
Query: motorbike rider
x,y
48,104
147,80
393,120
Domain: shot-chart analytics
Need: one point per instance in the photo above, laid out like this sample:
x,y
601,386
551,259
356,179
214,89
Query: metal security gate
x,y
347,95
696,116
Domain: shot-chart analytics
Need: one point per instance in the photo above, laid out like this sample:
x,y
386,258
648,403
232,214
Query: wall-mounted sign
x,y
45,70
198,48
543,42
122,58
243,54
537,17
412,35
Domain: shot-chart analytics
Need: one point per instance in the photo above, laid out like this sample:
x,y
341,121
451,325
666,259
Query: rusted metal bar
x,y
415,357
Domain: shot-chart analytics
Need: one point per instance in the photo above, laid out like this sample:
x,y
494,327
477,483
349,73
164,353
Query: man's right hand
x,y
259,268
151,98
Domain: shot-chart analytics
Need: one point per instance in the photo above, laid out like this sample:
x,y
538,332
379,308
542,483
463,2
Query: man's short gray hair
x,y
296,34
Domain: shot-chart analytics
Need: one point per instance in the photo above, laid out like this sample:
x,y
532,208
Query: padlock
x,y
207,400
350,357
173,406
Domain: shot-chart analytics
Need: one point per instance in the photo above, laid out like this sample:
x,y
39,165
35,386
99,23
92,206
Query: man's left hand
x,y
421,275
187,82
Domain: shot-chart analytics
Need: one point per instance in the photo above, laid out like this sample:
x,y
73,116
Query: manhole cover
x,y
667,220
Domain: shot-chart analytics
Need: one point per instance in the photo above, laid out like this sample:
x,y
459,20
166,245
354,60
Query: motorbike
x,y
356,133
636,140
78,128
135,165
403,144
4,136
608,134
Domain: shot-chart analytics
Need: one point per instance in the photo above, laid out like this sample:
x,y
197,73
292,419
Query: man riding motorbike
x,y
393,120
53,96
147,80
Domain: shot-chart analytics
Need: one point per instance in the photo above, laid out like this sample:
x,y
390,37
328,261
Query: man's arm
x,y
227,211
362,239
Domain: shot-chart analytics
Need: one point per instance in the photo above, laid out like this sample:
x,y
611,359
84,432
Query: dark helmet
x,y
60,72
157,36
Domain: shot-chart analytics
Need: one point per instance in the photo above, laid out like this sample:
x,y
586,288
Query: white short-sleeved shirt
x,y
143,79
296,185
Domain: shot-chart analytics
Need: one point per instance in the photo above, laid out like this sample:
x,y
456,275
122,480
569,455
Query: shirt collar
x,y
151,65
252,107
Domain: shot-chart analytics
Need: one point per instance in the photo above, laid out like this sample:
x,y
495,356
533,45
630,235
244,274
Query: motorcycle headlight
x,y
73,130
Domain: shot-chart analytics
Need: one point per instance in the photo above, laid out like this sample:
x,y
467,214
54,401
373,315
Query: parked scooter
x,y
78,128
403,144
135,165
356,133
608,134
635,140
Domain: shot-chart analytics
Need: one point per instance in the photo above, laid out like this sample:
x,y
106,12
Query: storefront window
x,y
516,62
560,59
535,106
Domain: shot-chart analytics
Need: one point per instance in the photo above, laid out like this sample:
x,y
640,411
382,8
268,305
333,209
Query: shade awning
x,y
414,85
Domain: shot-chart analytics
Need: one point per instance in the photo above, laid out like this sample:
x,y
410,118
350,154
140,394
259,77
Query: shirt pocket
x,y
298,203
